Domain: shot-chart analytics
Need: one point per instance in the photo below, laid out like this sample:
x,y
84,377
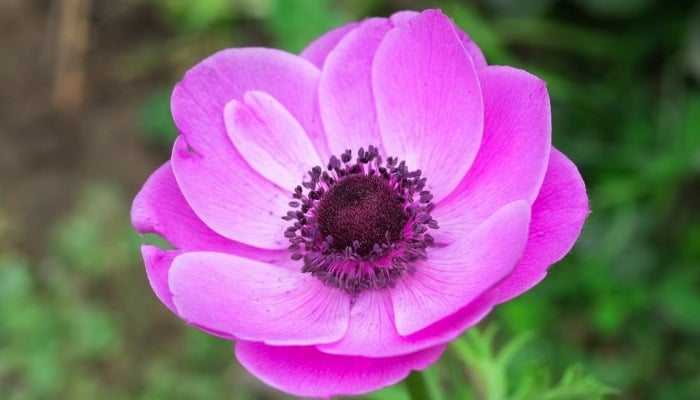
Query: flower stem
x,y
416,387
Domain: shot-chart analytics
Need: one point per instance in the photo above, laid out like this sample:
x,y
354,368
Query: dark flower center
x,y
360,225
362,209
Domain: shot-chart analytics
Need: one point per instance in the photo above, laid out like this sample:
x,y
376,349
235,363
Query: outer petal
x,y
557,219
198,100
256,301
158,263
514,152
428,99
345,91
269,138
231,198
372,332
474,51
401,17
161,208
317,51
305,371
455,275
218,184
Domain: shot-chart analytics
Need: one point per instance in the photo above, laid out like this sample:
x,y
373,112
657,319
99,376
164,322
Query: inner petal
x,y
269,138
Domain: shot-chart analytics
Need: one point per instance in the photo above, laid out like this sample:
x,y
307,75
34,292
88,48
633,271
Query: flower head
x,y
343,214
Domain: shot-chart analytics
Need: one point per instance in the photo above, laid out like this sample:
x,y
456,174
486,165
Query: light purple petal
x,y
307,372
268,137
198,100
231,198
160,208
472,49
514,151
372,332
345,91
317,51
557,219
256,301
158,264
455,275
428,99
401,17
223,190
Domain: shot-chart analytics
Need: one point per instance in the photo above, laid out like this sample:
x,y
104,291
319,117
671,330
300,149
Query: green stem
x,y
416,387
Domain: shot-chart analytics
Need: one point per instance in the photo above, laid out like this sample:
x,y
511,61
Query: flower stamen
x,y
360,225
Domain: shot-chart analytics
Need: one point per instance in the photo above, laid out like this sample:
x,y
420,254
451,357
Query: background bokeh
x,y
84,119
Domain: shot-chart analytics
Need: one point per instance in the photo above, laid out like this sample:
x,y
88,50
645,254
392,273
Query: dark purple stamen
x,y
360,225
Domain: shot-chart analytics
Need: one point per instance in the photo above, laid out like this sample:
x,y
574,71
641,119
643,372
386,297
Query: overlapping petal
x,y
158,262
460,272
558,215
269,138
514,152
305,371
222,189
318,50
160,208
372,331
253,300
345,90
428,97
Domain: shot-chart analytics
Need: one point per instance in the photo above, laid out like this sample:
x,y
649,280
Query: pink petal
x,y
268,137
231,198
307,372
455,275
472,49
514,151
223,190
402,17
198,100
372,332
256,301
557,219
428,100
158,263
317,51
345,91
160,208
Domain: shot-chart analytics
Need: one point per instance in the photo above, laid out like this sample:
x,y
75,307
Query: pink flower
x,y
342,279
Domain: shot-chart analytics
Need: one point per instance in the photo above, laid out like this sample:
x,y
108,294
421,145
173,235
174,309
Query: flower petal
x,y
514,151
428,100
474,51
252,300
345,90
307,372
198,100
401,17
317,51
372,332
268,137
218,184
455,275
158,264
557,219
161,208
231,198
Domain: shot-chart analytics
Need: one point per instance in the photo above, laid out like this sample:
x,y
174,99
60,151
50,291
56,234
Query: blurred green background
x,y
84,119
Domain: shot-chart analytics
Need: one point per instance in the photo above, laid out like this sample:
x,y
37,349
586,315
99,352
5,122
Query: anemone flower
x,y
345,213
